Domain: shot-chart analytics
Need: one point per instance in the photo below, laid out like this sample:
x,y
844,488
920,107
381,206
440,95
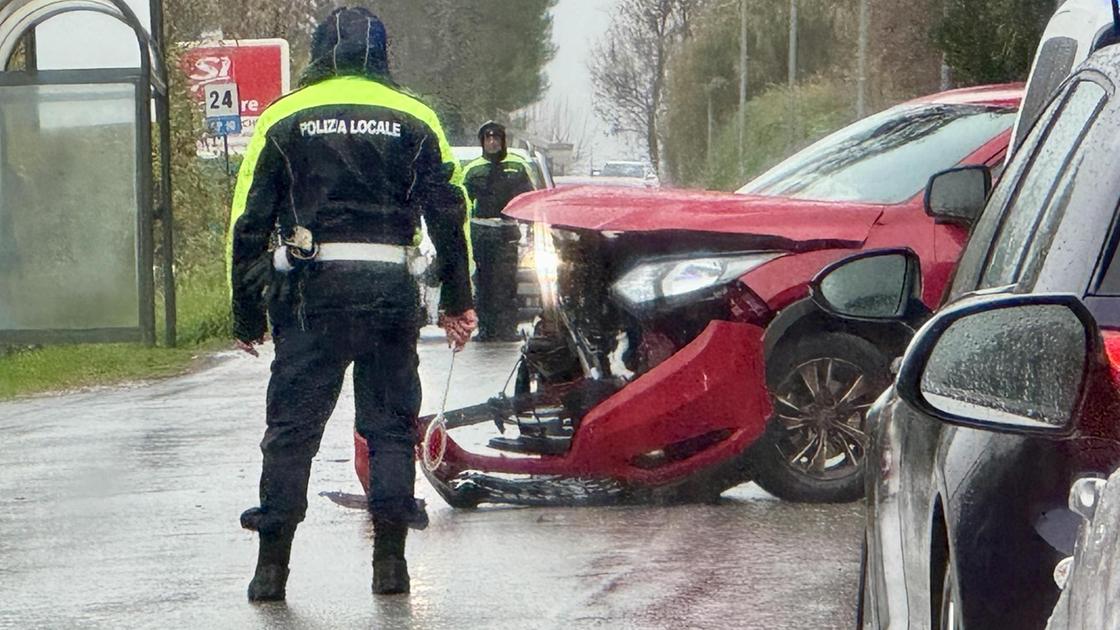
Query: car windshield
x,y
886,158
615,169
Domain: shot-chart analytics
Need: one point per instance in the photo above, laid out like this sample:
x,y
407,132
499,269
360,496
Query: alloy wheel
x,y
820,409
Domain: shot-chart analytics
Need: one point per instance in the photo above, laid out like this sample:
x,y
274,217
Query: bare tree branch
x,y
629,66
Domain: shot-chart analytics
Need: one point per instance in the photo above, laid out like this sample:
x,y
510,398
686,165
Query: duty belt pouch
x,y
296,251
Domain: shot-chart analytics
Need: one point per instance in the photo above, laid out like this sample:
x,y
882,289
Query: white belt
x,y
493,222
357,252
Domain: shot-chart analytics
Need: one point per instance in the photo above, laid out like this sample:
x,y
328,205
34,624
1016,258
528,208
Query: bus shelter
x,y
80,191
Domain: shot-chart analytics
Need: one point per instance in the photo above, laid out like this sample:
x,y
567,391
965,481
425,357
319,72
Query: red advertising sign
x,y
261,68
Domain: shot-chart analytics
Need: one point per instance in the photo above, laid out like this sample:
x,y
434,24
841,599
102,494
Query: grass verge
x,y
57,368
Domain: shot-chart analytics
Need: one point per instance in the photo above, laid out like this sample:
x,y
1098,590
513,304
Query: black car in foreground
x,y
1007,395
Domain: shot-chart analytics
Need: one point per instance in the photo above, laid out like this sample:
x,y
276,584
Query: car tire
x,y
814,447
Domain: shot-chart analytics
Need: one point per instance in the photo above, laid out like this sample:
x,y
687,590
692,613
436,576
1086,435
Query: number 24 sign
x,y
222,100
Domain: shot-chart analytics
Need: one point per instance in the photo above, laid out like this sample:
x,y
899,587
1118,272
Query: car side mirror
x,y
958,195
1014,364
874,285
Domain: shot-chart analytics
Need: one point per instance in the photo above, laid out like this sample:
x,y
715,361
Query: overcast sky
x,y
576,26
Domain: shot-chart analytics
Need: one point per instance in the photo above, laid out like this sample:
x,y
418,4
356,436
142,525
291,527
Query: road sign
x,y
222,99
224,125
259,67
222,102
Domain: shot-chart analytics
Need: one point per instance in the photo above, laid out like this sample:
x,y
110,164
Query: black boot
x,y
275,551
390,570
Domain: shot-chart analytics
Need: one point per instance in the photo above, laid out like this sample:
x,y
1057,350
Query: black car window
x,y
975,252
1033,201
1048,223
1055,60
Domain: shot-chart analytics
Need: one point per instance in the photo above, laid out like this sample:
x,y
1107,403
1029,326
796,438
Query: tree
x,y
476,59
630,65
557,122
473,59
992,41
826,46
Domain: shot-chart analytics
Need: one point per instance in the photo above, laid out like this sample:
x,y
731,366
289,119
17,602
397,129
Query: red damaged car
x,y
679,354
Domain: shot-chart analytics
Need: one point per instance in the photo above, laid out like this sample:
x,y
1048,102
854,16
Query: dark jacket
x,y
352,159
492,185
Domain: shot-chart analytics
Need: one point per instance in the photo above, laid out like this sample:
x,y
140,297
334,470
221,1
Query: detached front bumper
x,y
694,413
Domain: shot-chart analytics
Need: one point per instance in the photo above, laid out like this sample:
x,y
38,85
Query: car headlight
x,y
547,263
661,280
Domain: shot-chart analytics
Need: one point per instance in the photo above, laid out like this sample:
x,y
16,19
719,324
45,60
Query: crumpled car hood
x,y
633,210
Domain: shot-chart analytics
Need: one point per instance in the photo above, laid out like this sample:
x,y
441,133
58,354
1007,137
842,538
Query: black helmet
x,y
351,41
492,125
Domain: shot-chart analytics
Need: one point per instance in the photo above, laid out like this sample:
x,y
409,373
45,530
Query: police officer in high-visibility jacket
x,y
338,176
492,181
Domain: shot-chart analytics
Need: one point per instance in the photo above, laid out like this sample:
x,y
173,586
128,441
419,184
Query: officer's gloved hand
x,y
459,328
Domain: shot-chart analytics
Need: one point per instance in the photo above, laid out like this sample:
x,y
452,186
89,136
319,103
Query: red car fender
x,y
716,383
785,280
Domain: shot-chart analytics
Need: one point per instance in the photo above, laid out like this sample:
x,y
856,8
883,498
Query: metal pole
x,y
792,42
31,52
225,145
946,71
864,42
792,71
711,124
166,214
743,76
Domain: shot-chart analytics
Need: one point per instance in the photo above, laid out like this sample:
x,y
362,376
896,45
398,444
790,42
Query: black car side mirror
x,y
958,195
1012,363
876,285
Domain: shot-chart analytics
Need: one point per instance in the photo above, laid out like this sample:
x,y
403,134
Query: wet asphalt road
x,y
118,509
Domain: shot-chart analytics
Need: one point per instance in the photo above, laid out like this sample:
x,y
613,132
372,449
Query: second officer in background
x,y
492,181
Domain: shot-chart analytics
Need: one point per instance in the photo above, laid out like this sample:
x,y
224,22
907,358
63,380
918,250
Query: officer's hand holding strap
x,y
459,328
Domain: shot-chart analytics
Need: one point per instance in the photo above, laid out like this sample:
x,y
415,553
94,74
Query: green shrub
x,y
779,122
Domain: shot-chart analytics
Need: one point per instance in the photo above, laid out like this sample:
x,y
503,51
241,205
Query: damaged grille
x,y
584,280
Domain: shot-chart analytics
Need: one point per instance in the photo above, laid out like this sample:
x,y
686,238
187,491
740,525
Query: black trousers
x,y
307,376
495,255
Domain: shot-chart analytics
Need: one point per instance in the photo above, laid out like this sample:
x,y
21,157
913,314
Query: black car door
x,y
1004,494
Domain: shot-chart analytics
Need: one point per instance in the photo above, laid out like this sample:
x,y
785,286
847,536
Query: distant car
x,y
625,174
1009,393
597,180
625,169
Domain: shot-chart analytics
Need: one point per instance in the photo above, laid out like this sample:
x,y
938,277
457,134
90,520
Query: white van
x,y
1078,28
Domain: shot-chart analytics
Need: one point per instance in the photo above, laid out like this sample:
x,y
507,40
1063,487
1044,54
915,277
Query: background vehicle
x,y
705,295
540,173
967,504
1077,28
629,174
618,168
